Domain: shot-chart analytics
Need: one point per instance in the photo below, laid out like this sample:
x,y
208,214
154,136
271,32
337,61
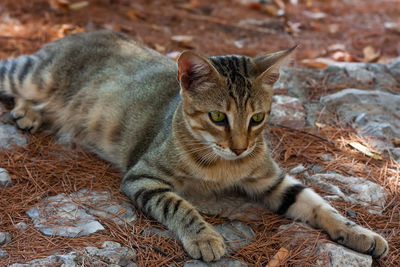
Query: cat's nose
x,y
238,151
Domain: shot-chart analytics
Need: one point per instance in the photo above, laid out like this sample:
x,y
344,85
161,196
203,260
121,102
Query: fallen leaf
x,y
174,55
336,47
279,258
314,15
320,125
370,54
366,151
78,5
184,40
342,56
318,63
333,28
392,27
280,4
396,142
271,10
59,4
159,48
293,27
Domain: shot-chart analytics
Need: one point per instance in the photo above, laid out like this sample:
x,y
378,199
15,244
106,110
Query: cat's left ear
x,y
267,66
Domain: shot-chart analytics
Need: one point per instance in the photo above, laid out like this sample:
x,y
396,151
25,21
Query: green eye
x,y
257,118
217,117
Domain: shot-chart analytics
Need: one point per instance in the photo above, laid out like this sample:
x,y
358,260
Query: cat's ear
x,y
267,66
192,69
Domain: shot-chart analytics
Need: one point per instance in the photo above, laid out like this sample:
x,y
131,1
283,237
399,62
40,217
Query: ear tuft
x,y
191,68
268,65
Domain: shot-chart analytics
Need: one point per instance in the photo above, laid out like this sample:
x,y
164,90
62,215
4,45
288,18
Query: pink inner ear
x,y
190,68
270,78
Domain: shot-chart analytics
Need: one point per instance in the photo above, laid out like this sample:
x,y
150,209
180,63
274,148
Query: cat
x,y
173,129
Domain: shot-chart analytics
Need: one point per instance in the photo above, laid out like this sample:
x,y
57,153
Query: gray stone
x,y
4,238
224,262
5,180
118,255
59,215
287,111
339,256
9,136
3,254
100,204
373,113
317,168
355,189
396,153
298,169
236,234
77,214
327,157
21,226
67,260
110,244
394,68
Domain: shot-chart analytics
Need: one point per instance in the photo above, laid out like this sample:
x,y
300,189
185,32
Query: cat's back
x,y
110,92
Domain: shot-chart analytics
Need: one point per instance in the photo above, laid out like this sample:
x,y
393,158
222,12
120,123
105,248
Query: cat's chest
x,y
205,180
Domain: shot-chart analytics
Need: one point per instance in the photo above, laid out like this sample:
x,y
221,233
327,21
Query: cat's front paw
x,y
362,240
27,118
207,245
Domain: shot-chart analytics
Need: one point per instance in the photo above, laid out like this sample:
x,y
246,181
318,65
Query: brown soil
x,y
38,171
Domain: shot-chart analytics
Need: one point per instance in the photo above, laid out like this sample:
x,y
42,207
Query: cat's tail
x,y
20,77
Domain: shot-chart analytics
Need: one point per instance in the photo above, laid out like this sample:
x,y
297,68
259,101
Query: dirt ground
x,y
211,28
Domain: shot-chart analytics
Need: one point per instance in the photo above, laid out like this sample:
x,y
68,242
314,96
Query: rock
x,y
5,180
224,262
67,260
110,244
362,191
298,169
287,111
396,153
118,255
61,215
21,226
317,168
4,238
327,157
394,68
3,254
236,234
373,113
9,136
90,256
340,75
339,256
100,204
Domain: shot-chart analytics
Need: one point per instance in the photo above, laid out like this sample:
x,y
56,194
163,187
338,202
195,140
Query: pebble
x,y
5,180
4,238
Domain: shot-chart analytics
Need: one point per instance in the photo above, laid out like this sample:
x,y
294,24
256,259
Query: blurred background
x,y
326,30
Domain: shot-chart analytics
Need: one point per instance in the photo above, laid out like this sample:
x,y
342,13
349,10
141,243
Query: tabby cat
x,y
191,127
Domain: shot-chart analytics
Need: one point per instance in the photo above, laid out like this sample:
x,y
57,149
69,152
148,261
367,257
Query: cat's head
x,y
227,99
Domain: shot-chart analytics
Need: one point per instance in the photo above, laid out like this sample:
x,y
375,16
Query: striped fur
x,y
123,101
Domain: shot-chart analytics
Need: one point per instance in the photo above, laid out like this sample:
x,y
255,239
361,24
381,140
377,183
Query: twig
x,y
304,132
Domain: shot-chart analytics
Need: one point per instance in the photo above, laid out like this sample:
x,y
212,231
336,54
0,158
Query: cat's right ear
x,y
192,68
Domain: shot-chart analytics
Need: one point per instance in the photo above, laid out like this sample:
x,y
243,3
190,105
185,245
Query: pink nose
x,y
238,151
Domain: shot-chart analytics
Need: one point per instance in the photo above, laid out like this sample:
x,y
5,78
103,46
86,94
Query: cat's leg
x,y
25,116
156,198
287,196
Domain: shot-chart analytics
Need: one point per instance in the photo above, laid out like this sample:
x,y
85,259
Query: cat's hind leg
x,y
26,116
